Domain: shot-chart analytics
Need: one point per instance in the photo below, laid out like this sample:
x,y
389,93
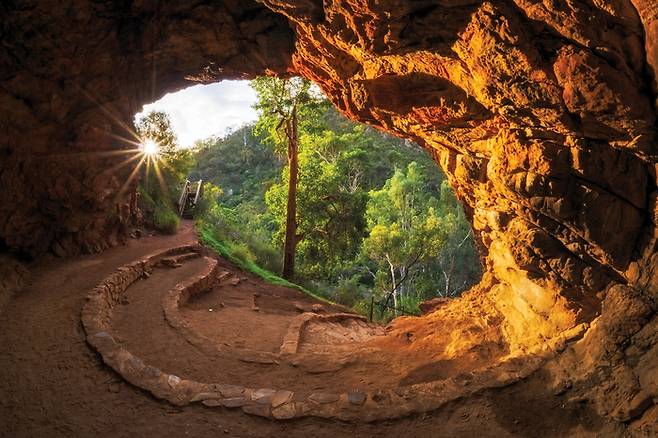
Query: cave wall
x,y
543,117
73,74
542,114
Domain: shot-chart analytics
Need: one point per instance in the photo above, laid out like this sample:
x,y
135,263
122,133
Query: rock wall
x,y
542,114
13,275
73,75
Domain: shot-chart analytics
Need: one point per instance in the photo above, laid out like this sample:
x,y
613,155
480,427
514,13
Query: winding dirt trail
x,y
52,384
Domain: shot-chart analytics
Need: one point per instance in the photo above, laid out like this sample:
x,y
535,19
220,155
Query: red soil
x,y
52,384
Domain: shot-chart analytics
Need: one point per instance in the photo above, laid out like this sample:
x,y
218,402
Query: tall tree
x,y
330,202
406,229
280,104
156,126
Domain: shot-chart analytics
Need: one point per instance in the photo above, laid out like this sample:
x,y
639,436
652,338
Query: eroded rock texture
x,y
543,115
72,77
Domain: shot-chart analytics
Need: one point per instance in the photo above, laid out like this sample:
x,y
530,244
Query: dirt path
x,y
249,317
53,385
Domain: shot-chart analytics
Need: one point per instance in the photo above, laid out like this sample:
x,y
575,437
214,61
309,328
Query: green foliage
x,y
165,219
145,202
156,126
364,198
211,195
348,292
278,99
339,162
330,222
164,174
420,242
245,230
209,236
241,163
405,231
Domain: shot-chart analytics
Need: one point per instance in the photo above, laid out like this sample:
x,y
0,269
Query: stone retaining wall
x,y
267,402
180,294
290,344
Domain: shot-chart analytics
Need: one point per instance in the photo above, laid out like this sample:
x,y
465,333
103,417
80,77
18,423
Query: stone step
x,y
226,277
175,261
187,256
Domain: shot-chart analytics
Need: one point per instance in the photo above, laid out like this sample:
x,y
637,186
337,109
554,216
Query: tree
x,y
343,171
405,230
164,172
171,163
280,104
240,163
156,126
331,203
458,262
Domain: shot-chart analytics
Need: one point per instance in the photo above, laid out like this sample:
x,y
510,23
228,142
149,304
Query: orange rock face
x,y
542,114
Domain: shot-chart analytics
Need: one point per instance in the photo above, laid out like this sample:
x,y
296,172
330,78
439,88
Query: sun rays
x,y
150,160
150,148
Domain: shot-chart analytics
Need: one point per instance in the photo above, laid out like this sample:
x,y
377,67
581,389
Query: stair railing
x,y
198,192
183,198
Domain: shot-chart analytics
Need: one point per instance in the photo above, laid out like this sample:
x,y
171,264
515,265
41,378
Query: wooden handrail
x,y
183,198
198,192
186,195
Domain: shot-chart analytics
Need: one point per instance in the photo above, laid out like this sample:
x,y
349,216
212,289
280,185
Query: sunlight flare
x,y
149,148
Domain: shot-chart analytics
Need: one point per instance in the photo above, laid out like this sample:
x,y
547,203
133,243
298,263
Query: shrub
x,y
348,292
165,220
241,252
145,202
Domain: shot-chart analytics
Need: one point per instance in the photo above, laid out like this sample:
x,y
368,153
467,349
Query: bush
x,y
242,229
348,292
241,252
145,202
210,238
157,213
165,220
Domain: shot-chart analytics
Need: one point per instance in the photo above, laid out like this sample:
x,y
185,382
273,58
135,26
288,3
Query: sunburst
x,y
150,148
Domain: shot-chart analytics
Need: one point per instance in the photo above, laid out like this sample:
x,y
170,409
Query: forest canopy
x,y
375,216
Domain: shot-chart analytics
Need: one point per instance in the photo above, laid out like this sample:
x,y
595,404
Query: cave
x,y
541,114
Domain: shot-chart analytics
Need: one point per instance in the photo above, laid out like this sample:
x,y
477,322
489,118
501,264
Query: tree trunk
x,y
290,244
395,286
448,276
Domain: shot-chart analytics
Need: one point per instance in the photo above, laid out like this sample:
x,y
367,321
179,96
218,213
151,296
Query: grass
x,y
209,237
165,220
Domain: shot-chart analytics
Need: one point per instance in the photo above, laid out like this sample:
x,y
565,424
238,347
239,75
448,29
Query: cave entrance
x,y
541,114
378,232
378,228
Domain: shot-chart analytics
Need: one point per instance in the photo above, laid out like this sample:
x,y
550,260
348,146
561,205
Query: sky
x,y
201,111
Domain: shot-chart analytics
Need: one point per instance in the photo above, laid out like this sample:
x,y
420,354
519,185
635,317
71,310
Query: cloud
x,y
201,111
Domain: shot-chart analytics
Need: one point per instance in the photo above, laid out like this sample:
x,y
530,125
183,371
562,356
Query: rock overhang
x,y
542,117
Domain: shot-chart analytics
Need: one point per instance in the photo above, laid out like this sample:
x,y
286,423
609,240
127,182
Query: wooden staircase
x,y
190,195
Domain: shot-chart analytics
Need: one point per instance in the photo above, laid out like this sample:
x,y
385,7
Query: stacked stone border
x,y
292,339
180,295
267,402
